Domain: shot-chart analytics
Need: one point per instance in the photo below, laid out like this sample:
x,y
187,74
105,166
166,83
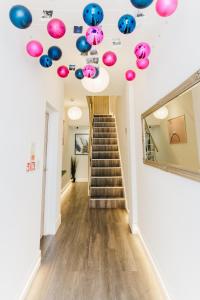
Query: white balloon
x,y
98,84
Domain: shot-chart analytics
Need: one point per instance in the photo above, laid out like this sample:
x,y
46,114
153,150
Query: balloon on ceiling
x,y
79,74
34,48
97,73
93,14
94,35
82,45
63,71
130,75
20,16
89,71
142,50
45,61
56,28
126,24
55,53
109,58
141,3
142,63
166,8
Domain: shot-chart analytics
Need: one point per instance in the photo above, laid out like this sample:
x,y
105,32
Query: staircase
x,y
106,185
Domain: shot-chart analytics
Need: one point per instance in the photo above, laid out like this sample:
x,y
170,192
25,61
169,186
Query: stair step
x,y
105,172
107,203
105,148
104,135
106,181
104,141
106,163
104,119
106,192
105,155
109,116
104,124
104,130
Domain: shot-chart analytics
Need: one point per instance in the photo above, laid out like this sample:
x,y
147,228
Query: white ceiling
x,y
70,11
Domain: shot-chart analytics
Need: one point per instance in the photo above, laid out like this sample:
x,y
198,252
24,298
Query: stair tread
x,y
106,176
104,198
106,187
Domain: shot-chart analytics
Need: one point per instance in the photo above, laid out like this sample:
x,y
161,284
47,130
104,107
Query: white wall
x,y
126,135
25,90
168,205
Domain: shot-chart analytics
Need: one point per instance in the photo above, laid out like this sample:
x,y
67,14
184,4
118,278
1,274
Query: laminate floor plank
x,y
93,257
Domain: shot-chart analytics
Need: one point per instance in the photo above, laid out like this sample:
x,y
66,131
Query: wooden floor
x,y
93,257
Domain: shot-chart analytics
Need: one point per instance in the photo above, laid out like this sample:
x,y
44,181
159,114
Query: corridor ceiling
x,y
70,11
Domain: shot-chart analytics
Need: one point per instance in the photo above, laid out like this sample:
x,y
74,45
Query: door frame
x,y
52,217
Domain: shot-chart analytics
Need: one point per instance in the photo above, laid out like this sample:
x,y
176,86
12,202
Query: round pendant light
x,y
74,113
98,84
161,113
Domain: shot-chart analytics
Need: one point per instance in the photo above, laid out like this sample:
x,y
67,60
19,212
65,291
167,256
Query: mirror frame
x,y
186,85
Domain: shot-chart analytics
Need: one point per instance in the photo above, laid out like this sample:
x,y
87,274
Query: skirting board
x,y
135,230
65,188
82,180
31,277
58,223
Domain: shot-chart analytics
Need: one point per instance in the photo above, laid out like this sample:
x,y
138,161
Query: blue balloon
x,y
54,53
97,73
45,61
79,74
82,45
93,14
126,24
20,16
141,3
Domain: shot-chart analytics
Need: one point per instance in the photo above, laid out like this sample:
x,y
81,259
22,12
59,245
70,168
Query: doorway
x,y
44,175
50,197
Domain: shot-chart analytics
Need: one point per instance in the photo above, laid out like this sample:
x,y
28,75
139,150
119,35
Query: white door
x,y
44,176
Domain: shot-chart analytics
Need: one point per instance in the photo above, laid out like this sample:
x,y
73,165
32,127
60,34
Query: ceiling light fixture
x,y
74,113
161,113
98,84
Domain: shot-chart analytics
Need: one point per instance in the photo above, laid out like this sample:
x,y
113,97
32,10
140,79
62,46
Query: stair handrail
x,y
91,117
149,132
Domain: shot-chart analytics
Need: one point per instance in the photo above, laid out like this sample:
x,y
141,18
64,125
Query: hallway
x,y
93,257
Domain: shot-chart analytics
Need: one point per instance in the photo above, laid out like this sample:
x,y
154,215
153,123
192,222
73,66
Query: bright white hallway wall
x,y
25,88
169,205
125,128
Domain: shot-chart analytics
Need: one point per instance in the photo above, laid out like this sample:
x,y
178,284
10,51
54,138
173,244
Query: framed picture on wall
x,y
81,144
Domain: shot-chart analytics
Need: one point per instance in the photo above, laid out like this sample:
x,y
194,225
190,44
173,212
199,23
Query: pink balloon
x,y
56,28
130,75
166,8
109,58
142,50
34,48
89,71
94,35
142,63
63,71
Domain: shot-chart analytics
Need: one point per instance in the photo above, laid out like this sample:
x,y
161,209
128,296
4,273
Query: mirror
x,y
171,131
